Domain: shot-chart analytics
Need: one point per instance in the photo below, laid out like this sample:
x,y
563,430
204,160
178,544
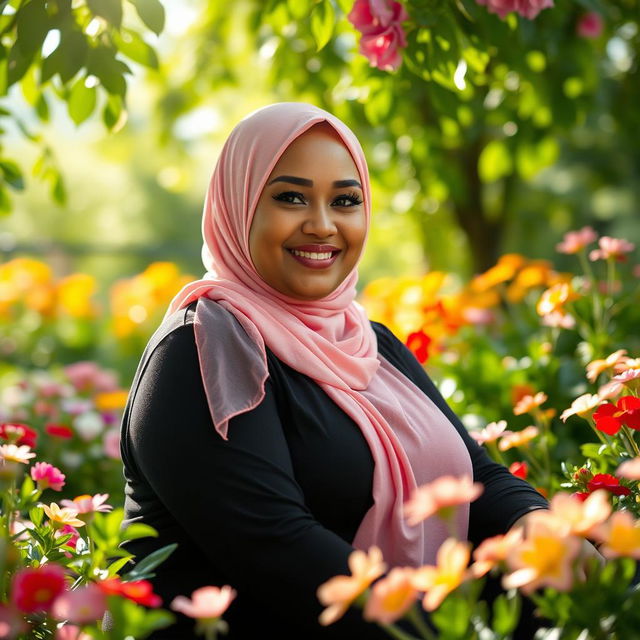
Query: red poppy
x,y
419,342
35,589
58,430
140,591
608,482
519,469
610,417
581,495
26,435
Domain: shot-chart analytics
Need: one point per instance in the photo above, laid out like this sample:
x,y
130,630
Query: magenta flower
x,y
46,476
80,606
575,241
611,248
379,21
590,25
526,8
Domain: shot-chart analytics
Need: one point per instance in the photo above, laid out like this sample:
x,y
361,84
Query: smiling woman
x,y
307,426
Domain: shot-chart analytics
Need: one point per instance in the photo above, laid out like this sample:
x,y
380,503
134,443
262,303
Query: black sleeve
x,y
237,499
506,497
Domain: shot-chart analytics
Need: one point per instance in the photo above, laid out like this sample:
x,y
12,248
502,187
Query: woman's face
x,y
309,226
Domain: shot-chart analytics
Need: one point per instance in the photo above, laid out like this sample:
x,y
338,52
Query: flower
x,y
111,443
517,438
624,364
58,430
620,536
544,558
528,403
66,530
438,497
629,469
71,632
559,319
611,248
35,588
610,418
339,592
578,516
88,425
490,433
12,624
47,476
449,573
19,434
111,400
575,241
86,504
581,405
519,469
15,453
60,517
88,376
590,25
80,606
207,604
379,22
493,551
526,8
140,591
596,367
391,596
418,342
608,482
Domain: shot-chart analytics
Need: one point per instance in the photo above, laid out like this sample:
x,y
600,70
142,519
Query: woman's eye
x,y
348,200
290,196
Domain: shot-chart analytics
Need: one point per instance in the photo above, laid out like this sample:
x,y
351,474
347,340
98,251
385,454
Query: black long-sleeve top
x,y
272,510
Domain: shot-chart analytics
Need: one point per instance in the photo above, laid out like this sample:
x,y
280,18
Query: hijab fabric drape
x,y
329,340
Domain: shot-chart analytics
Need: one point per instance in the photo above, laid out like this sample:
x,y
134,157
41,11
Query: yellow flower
x,y
517,438
449,573
61,517
577,517
554,299
111,400
620,536
544,558
391,597
74,295
339,592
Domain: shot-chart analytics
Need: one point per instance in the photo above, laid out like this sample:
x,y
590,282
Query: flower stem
x,y
397,633
415,616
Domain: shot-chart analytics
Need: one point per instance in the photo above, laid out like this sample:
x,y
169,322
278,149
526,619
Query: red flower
x,y
610,417
58,430
140,591
419,342
608,482
18,434
36,589
519,469
581,495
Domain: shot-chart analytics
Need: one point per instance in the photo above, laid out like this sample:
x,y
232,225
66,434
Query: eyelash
x,y
352,197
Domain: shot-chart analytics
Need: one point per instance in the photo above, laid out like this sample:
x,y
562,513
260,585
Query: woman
x,y
271,427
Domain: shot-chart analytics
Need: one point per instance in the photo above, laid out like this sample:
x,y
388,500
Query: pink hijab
x,y
329,340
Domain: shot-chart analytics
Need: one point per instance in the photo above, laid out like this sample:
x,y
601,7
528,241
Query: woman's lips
x,y
315,263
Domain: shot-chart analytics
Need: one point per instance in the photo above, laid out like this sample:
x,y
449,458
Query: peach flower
x,y
620,536
579,517
207,603
581,406
391,597
492,552
518,438
490,433
15,453
60,517
596,367
629,469
528,403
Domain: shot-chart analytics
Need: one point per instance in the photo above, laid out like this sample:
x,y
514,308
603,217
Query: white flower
x,y
88,425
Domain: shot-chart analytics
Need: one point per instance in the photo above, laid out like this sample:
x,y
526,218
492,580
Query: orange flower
x,y
339,592
544,558
448,574
620,536
528,403
578,517
494,551
596,367
61,517
581,405
517,438
111,400
554,299
391,597
439,497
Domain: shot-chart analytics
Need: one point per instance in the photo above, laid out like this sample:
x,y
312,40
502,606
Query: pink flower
x,y
379,21
80,606
12,623
66,530
47,476
490,433
559,320
526,8
590,25
611,248
207,603
71,632
111,443
86,504
88,376
438,497
36,589
575,241
629,469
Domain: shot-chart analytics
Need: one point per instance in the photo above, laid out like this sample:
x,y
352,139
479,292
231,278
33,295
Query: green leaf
x,y
28,486
82,101
110,10
42,108
32,27
114,115
5,201
103,64
36,515
378,106
322,21
495,161
345,6
146,565
139,530
17,65
151,12
133,46
114,567
13,176
506,613
67,59
58,190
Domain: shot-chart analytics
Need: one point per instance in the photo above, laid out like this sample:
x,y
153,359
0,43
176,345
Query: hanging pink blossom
x,y
526,8
590,25
379,21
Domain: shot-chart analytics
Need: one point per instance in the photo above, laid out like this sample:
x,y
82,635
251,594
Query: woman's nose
x,y
320,221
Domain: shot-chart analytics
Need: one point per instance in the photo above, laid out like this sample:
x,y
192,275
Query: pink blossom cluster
x,y
526,8
615,248
380,23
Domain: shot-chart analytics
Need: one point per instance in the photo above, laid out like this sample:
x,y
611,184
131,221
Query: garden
x,y
501,137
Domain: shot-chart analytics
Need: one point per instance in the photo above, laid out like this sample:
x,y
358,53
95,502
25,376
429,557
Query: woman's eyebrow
x,y
309,183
